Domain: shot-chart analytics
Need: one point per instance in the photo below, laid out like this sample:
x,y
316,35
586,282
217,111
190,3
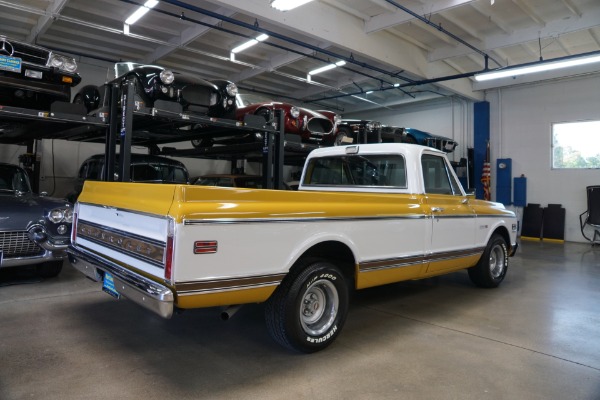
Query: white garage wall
x,y
521,123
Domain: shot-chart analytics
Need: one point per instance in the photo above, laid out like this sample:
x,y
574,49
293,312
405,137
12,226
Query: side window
x,y
94,170
437,177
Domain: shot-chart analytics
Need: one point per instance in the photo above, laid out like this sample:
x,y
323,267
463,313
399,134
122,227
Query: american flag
x,y
486,175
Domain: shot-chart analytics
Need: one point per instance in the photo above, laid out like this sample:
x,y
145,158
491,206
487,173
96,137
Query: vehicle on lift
x,y
144,168
309,126
162,88
358,131
230,180
34,229
365,131
411,135
365,215
33,76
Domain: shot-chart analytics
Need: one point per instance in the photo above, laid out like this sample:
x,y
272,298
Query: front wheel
x,y
308,310
491,268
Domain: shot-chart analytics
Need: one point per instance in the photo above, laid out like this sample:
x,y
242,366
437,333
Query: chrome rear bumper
x,y
141,290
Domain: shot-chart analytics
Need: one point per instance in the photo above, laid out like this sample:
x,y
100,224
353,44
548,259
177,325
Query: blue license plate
x,y
108,285
12,64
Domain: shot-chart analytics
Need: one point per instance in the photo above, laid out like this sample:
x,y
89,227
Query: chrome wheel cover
x,y
319,307
497,261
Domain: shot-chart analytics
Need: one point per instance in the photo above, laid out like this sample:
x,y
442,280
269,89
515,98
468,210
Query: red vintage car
x,y
310,126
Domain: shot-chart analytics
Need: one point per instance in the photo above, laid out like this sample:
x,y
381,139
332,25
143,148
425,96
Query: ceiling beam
x,y
529,12
188,35
276,62
384,21
45,21
570,24
341,6
572,7
485,10
313,20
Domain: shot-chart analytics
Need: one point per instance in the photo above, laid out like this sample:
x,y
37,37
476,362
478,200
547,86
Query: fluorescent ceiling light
x,y
363,99
286,5
140,12
537,67
249,43
327,67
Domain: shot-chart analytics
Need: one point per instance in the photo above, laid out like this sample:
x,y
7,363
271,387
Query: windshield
x,y
13,178
122,68
246,99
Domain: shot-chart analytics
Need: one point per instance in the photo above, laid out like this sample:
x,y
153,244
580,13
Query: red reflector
x,y
205,247
169,259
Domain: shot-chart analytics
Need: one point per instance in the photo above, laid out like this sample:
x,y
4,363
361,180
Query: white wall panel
x,y
521,123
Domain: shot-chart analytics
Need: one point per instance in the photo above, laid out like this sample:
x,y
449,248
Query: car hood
x,y
18,212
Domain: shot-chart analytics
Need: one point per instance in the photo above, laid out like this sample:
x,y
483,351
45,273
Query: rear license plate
x,y
108,285
12,64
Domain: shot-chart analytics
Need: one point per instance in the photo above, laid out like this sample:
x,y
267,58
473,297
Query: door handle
x,y
437,209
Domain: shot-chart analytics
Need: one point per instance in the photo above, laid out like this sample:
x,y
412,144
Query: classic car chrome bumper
x,y
141,290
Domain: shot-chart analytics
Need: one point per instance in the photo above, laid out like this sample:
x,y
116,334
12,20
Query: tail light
x,y
169,251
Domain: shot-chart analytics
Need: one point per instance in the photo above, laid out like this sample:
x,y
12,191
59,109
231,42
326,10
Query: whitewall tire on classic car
x,y
308,310
491,268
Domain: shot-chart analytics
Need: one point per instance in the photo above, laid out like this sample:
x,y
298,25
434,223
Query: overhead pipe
x,y
448,33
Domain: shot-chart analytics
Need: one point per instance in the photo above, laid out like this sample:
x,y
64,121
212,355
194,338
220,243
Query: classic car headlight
x,y
56,61
231,89
295,112
70,64
57,215
62,62
69,215
167,76
61,214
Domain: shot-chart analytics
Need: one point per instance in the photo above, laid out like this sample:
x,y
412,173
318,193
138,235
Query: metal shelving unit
x,y
151,127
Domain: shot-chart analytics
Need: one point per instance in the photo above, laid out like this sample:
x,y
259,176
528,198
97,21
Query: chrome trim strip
x,y
137,288
407,261
227,285
123,240
303,220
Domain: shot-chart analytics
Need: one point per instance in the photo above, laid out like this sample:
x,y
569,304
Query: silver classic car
x,y
34,230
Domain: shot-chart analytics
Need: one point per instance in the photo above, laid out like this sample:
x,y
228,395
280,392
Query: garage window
x,y
576,145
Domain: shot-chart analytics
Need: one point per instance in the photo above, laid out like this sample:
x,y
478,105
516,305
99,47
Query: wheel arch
x,y
334,251
502,231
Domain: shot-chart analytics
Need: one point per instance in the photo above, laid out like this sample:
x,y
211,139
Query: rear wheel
x,y
49,269
308,310
491,268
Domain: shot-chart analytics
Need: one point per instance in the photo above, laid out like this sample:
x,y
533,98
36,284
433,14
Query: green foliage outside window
x,y
576,145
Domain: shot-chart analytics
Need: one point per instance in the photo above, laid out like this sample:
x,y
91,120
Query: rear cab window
x,y
368,170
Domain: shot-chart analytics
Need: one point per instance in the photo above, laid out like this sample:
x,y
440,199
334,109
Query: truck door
x,y
452,219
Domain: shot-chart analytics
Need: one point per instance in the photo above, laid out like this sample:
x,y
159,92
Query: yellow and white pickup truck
x,y
365,215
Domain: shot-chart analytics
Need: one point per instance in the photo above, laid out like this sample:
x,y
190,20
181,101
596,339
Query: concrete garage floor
x,y
536,337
